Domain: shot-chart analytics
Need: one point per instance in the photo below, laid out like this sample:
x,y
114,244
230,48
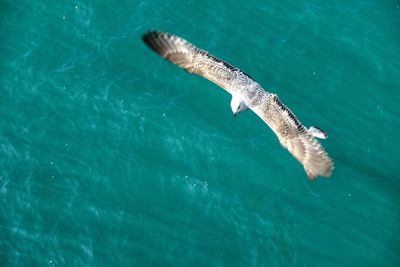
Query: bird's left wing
x,y
194,60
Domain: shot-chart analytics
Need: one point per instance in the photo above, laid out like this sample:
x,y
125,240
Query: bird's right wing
x,y
194,60
294,136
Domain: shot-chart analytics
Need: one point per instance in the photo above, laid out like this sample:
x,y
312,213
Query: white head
x,y
237,105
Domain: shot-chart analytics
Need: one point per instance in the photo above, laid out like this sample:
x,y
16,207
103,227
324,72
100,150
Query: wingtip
x,y
151,34
312,176
150,38
158,41
146,37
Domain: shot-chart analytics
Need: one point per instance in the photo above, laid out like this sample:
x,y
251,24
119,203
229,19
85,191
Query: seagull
x,y
248,94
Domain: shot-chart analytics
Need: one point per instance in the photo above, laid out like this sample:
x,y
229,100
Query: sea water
x,y
111,156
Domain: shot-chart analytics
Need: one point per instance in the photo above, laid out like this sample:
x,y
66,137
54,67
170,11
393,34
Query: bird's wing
x,y
192,59
294,136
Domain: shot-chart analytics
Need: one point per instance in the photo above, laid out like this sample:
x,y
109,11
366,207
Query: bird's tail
x,y
317,132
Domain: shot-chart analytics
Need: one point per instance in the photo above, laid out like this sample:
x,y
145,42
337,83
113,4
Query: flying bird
x,y
248,94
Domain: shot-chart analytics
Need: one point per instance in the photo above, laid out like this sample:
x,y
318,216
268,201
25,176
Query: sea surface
x,y
111,156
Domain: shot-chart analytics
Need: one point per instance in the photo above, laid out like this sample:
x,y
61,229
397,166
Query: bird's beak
x,y
234,115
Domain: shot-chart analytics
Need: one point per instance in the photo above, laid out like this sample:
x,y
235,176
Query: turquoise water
x,y
110,156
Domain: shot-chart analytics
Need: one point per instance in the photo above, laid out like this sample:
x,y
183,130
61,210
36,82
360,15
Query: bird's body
x,y
246,93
